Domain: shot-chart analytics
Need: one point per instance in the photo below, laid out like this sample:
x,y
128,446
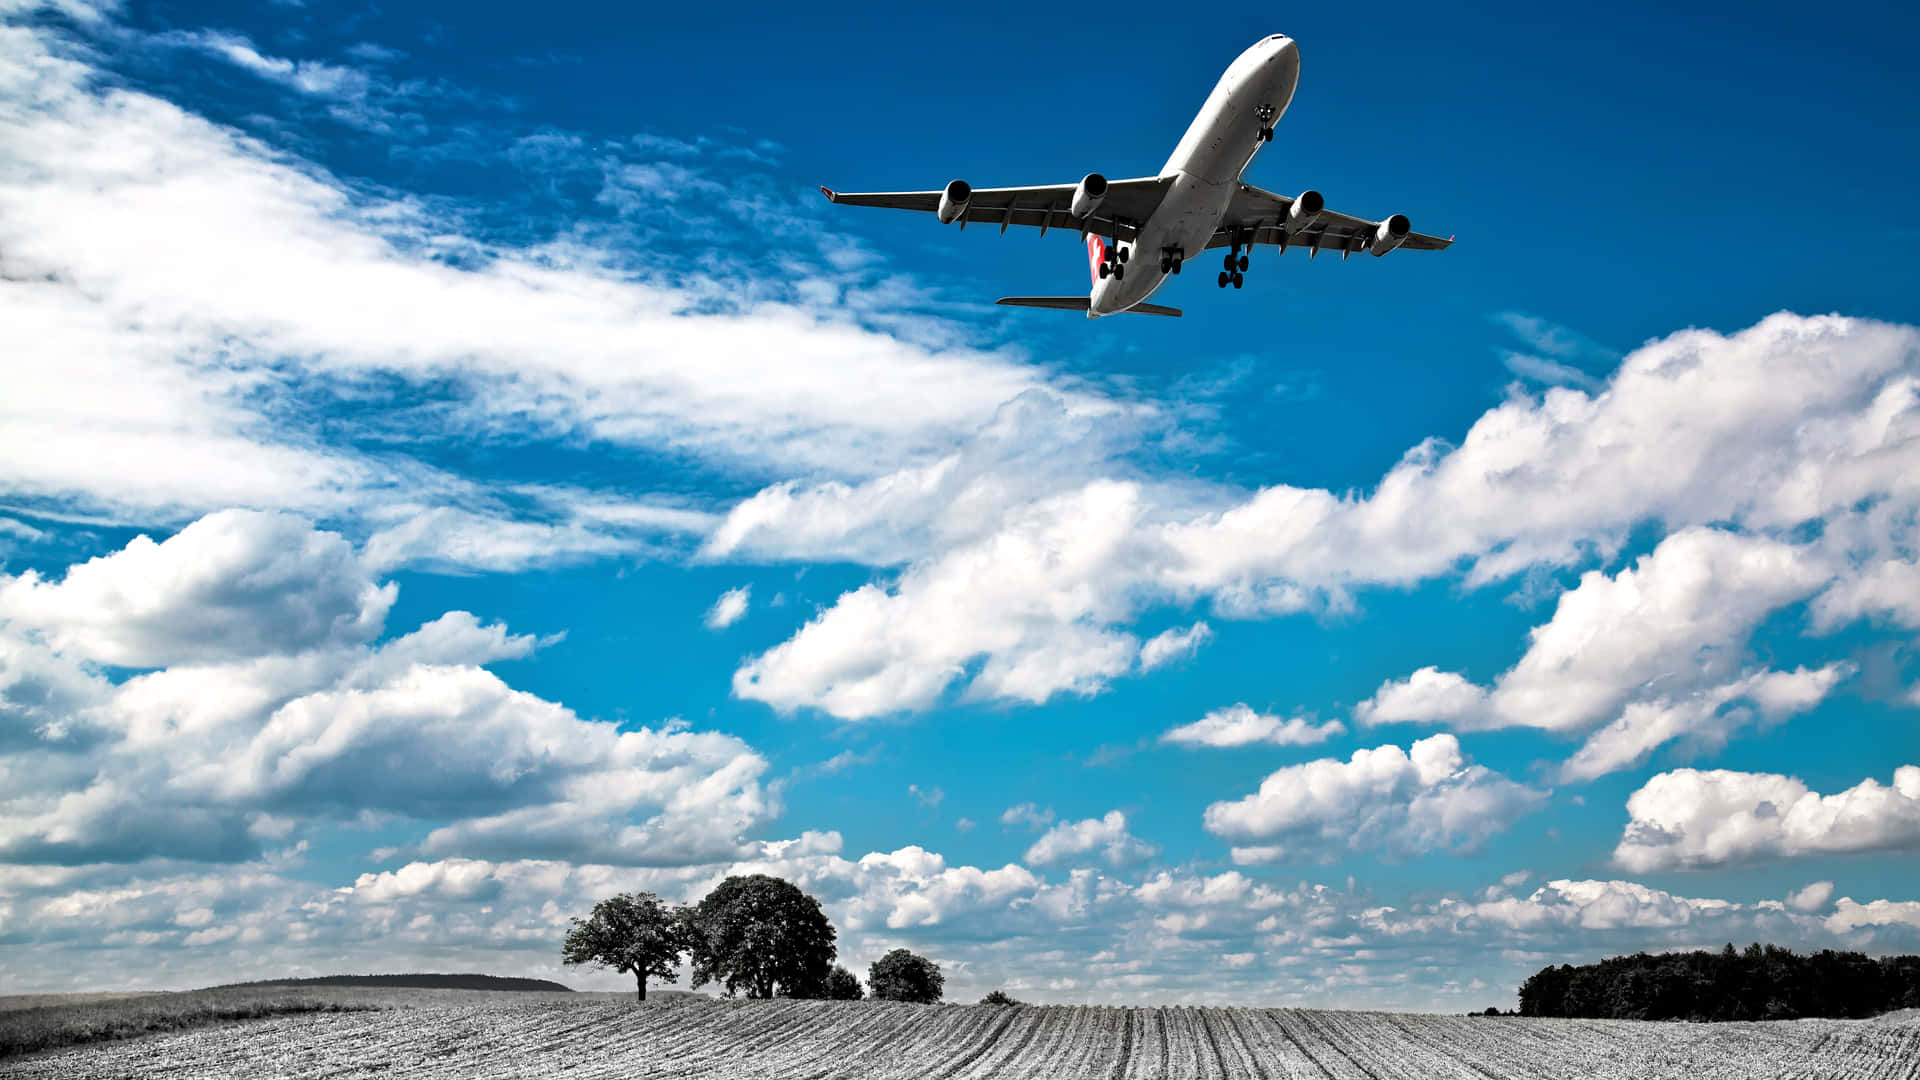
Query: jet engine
x,y
1390,233
1086,197
953,201
1304,210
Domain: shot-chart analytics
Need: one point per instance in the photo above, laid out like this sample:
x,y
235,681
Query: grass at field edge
x,y
50,1027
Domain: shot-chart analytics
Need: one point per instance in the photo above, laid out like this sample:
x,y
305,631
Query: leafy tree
x,y
1760,982
998,997
904,976
761,934
843,985
633,933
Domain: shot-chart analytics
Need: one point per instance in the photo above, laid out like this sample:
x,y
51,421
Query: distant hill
x,y
415,982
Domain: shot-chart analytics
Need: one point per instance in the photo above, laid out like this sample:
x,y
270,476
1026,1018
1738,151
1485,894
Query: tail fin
x,y
1096,254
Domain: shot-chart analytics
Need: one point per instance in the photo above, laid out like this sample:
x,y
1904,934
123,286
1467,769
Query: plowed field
x,y
823,1040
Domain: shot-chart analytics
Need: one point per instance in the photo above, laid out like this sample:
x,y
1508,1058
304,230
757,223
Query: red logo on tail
x,y
1096,255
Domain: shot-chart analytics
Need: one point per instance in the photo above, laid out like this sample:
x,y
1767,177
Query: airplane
x,y
1197,203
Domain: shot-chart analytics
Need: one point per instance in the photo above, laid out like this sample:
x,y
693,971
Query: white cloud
x,y
1811,898
1239,725
1688,818
1653,654
1105,836
269,715
1028,815
1791,421
1429,695
1030,599
729,609
232,585
156,390
1404,803
1175,644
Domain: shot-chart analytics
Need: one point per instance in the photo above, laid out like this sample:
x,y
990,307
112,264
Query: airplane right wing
x,y
1126,206
1261,217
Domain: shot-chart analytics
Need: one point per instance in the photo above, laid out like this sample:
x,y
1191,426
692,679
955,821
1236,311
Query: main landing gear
x,y
1115,262
1236,267
1266,113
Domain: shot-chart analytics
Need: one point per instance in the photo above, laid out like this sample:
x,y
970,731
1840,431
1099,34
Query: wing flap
x,y
1081,303
1262,216
1129,203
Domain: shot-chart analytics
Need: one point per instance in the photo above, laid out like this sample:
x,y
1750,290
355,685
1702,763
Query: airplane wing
x,y
1128,204
1263,215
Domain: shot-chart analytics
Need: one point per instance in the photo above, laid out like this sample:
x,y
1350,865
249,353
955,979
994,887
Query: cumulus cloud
x,y
1171,645
1028,815
729,609
1689,819
1107,837
1429,695
1730,441
1403,803
1652,654
233,585
1811,898
1239,725
268,713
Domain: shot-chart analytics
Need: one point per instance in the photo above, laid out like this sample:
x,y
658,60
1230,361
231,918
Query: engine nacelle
x,y
1304,210
1391,233
1086,197
953,201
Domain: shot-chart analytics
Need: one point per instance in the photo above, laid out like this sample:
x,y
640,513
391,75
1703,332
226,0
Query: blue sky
x,y
1371,636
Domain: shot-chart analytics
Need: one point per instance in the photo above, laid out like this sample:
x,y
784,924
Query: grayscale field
x,y
481,1036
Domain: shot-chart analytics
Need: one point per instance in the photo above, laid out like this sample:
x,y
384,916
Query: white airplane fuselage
x,y
1205,169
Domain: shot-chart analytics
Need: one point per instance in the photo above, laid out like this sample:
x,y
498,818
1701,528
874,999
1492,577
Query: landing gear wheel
x,y
1243,263
1266,134
1121,254
1230,262
1238,280
1166,263
1177,260
1224,278
1119,272
1105,270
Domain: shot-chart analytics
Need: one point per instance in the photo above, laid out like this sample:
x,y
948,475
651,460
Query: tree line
x,y
754,934
1761,982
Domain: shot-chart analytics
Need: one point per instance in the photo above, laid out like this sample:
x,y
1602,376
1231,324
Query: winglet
x,y
829,193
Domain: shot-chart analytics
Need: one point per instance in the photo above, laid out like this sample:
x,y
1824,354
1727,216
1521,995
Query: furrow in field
x,y
1313,1045
1129,1026
846,1030
1084,1050
1243,1046
1023,1025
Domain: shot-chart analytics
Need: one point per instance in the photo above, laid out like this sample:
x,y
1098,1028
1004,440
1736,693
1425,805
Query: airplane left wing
x,y
1126,206
1260,217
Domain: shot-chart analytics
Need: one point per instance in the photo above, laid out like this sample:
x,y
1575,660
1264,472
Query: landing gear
x,y
1266,114
1235,264
1170,261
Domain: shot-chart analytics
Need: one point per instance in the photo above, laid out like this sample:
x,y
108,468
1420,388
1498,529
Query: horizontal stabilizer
x,y
1080,303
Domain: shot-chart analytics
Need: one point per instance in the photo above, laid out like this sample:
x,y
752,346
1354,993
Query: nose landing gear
x,y
1266,114
1170,260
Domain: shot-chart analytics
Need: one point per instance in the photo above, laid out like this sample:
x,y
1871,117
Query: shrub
x,y
998,997
904,976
